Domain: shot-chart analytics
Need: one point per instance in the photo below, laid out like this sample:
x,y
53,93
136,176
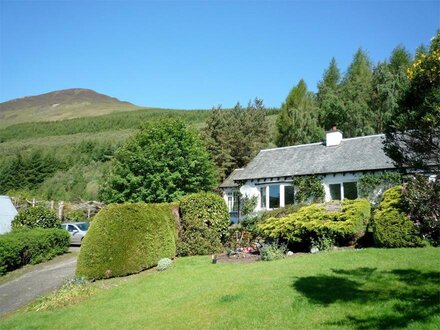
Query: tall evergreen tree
x,y
356,95
331,109
234,137
297,122
389,83
400,59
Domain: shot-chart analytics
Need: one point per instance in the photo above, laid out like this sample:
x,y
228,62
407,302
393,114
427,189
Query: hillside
x,y
59,105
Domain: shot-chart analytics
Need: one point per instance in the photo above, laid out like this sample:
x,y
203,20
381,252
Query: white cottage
x,y
7,214
340,162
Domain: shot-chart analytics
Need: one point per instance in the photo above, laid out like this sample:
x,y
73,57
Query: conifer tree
x,y
297,122
356,95
331,108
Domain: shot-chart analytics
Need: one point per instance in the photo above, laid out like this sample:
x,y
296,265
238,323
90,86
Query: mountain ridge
x,y
60,104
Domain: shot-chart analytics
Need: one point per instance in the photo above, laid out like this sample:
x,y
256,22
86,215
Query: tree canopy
x,y
297,122
413,132
161,163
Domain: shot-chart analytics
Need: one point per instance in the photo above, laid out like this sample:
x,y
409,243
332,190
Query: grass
x,y
365,289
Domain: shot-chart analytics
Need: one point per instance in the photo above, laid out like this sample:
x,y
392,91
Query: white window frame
x,y
282,197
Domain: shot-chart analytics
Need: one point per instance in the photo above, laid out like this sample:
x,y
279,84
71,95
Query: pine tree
x,y
297,122
356,96
331,108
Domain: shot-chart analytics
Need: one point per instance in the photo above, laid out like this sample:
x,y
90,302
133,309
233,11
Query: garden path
x,y
39,280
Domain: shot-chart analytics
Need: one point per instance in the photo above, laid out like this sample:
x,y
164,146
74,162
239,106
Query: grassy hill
x,y
74,152
59,105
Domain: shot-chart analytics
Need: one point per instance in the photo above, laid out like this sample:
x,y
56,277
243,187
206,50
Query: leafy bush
x,y
204,224
161,163
248,204
36,217
421,201
273,251
392,227
372,186
31,246
164,264
308,189
314,221
323,242
281,212
127,238
75,216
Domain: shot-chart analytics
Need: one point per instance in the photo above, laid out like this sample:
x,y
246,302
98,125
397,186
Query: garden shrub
x,y
314,222
75,216
372,186
36,217
421,201
164,264
392,227
127,238
31,246
204,224
273,251
308,189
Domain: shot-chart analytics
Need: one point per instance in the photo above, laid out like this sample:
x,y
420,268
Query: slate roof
x,y
229,181
351,155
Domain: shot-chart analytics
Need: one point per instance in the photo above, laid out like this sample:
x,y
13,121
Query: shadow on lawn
x,y
407,295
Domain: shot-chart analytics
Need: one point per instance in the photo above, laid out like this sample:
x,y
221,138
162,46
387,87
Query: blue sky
x,y
196,54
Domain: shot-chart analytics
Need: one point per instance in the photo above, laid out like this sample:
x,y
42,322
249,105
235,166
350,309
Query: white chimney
x,y
333,137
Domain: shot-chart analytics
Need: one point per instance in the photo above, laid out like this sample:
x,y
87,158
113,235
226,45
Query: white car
x,y
77,231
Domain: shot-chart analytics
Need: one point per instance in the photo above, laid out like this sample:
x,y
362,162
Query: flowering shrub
x,y
164,264
36,217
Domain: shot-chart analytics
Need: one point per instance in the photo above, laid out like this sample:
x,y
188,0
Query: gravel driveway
x,y
40,280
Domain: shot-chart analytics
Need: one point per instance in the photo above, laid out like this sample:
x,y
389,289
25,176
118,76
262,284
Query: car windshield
x,y
83,226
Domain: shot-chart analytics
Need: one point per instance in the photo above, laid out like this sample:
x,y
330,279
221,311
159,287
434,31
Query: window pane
x,y
263,197
350,190
335,191
289,197
274,196
235,207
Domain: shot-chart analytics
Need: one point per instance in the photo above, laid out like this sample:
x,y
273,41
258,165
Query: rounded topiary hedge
x,y
391,227
36,217
204,223
127,238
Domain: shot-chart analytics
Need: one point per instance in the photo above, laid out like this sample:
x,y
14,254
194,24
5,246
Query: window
x,y
350,190
274,196
71,228
335,191
233,201
263,197
289,196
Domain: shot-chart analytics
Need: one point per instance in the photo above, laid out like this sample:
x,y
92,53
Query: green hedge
x,y
314,221
31,246
36,217
204,224
127,238
391,227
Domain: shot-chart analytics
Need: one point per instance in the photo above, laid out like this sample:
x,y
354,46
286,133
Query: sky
x,y
196,54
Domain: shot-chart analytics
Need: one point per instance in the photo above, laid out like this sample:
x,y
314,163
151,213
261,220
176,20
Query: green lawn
x,y
364,289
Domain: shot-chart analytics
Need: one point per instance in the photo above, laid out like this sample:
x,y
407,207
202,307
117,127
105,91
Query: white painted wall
x,y
7,214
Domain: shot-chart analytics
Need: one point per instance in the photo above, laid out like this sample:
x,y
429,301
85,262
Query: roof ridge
x,y
322,142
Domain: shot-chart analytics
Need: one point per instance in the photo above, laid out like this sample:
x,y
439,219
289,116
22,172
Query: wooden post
x,y
52,205
60,210
33,202
88,212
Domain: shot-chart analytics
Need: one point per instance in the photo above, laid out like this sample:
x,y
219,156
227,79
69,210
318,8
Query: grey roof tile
x,y
351,155
229,181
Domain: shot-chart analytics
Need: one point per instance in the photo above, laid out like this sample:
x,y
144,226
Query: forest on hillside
x,y
69,159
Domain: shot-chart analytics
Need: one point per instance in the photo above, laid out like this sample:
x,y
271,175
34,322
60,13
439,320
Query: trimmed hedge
x,y
391,227
314,221
204,224
126,239
36,217
31,246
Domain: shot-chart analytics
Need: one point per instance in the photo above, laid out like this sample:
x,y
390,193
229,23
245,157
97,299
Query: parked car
x,y
77,231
